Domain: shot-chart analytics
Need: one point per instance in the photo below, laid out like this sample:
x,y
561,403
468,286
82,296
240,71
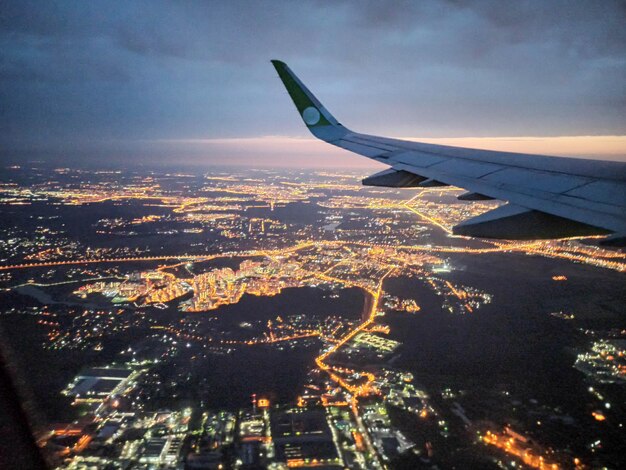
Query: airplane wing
x,y
548,197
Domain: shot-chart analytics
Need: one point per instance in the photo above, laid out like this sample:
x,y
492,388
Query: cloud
x,y
93,72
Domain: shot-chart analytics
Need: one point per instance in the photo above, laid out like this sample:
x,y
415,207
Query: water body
x,y
45,298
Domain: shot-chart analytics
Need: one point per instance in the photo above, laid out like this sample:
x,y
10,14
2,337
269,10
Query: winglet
x,y
319,121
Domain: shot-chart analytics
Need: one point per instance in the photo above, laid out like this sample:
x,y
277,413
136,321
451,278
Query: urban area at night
x,y
236,318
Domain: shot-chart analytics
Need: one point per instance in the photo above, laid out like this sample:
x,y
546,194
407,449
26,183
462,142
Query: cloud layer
x,y
96,79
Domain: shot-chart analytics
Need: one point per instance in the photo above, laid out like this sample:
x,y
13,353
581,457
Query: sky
x,y
191,82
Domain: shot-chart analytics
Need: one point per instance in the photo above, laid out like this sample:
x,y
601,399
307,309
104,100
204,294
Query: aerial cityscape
x,y
349,234
286,318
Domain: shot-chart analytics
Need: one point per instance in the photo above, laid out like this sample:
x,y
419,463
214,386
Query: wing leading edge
x,y
548,197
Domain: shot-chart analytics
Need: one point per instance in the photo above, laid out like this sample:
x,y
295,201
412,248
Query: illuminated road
x,y
519,449
438,223
196,258
580,254
366,388
362,389
109,260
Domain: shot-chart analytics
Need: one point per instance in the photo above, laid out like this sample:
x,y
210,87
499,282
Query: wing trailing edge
x,y
549,197
391,178
519,223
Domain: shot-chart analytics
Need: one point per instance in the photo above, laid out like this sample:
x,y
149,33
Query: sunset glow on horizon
x,y
298,151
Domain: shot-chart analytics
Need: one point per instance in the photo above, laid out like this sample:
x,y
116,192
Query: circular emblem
x,y
311,116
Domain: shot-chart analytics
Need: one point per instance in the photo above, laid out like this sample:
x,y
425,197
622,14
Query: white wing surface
x,y
548,197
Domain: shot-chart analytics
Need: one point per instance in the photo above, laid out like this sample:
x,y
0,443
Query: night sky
x,y
191,82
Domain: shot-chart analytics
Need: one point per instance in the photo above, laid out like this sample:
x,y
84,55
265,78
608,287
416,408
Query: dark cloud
x,y
77,75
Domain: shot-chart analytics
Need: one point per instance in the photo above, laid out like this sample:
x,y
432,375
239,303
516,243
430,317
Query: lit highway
x,y
354,238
